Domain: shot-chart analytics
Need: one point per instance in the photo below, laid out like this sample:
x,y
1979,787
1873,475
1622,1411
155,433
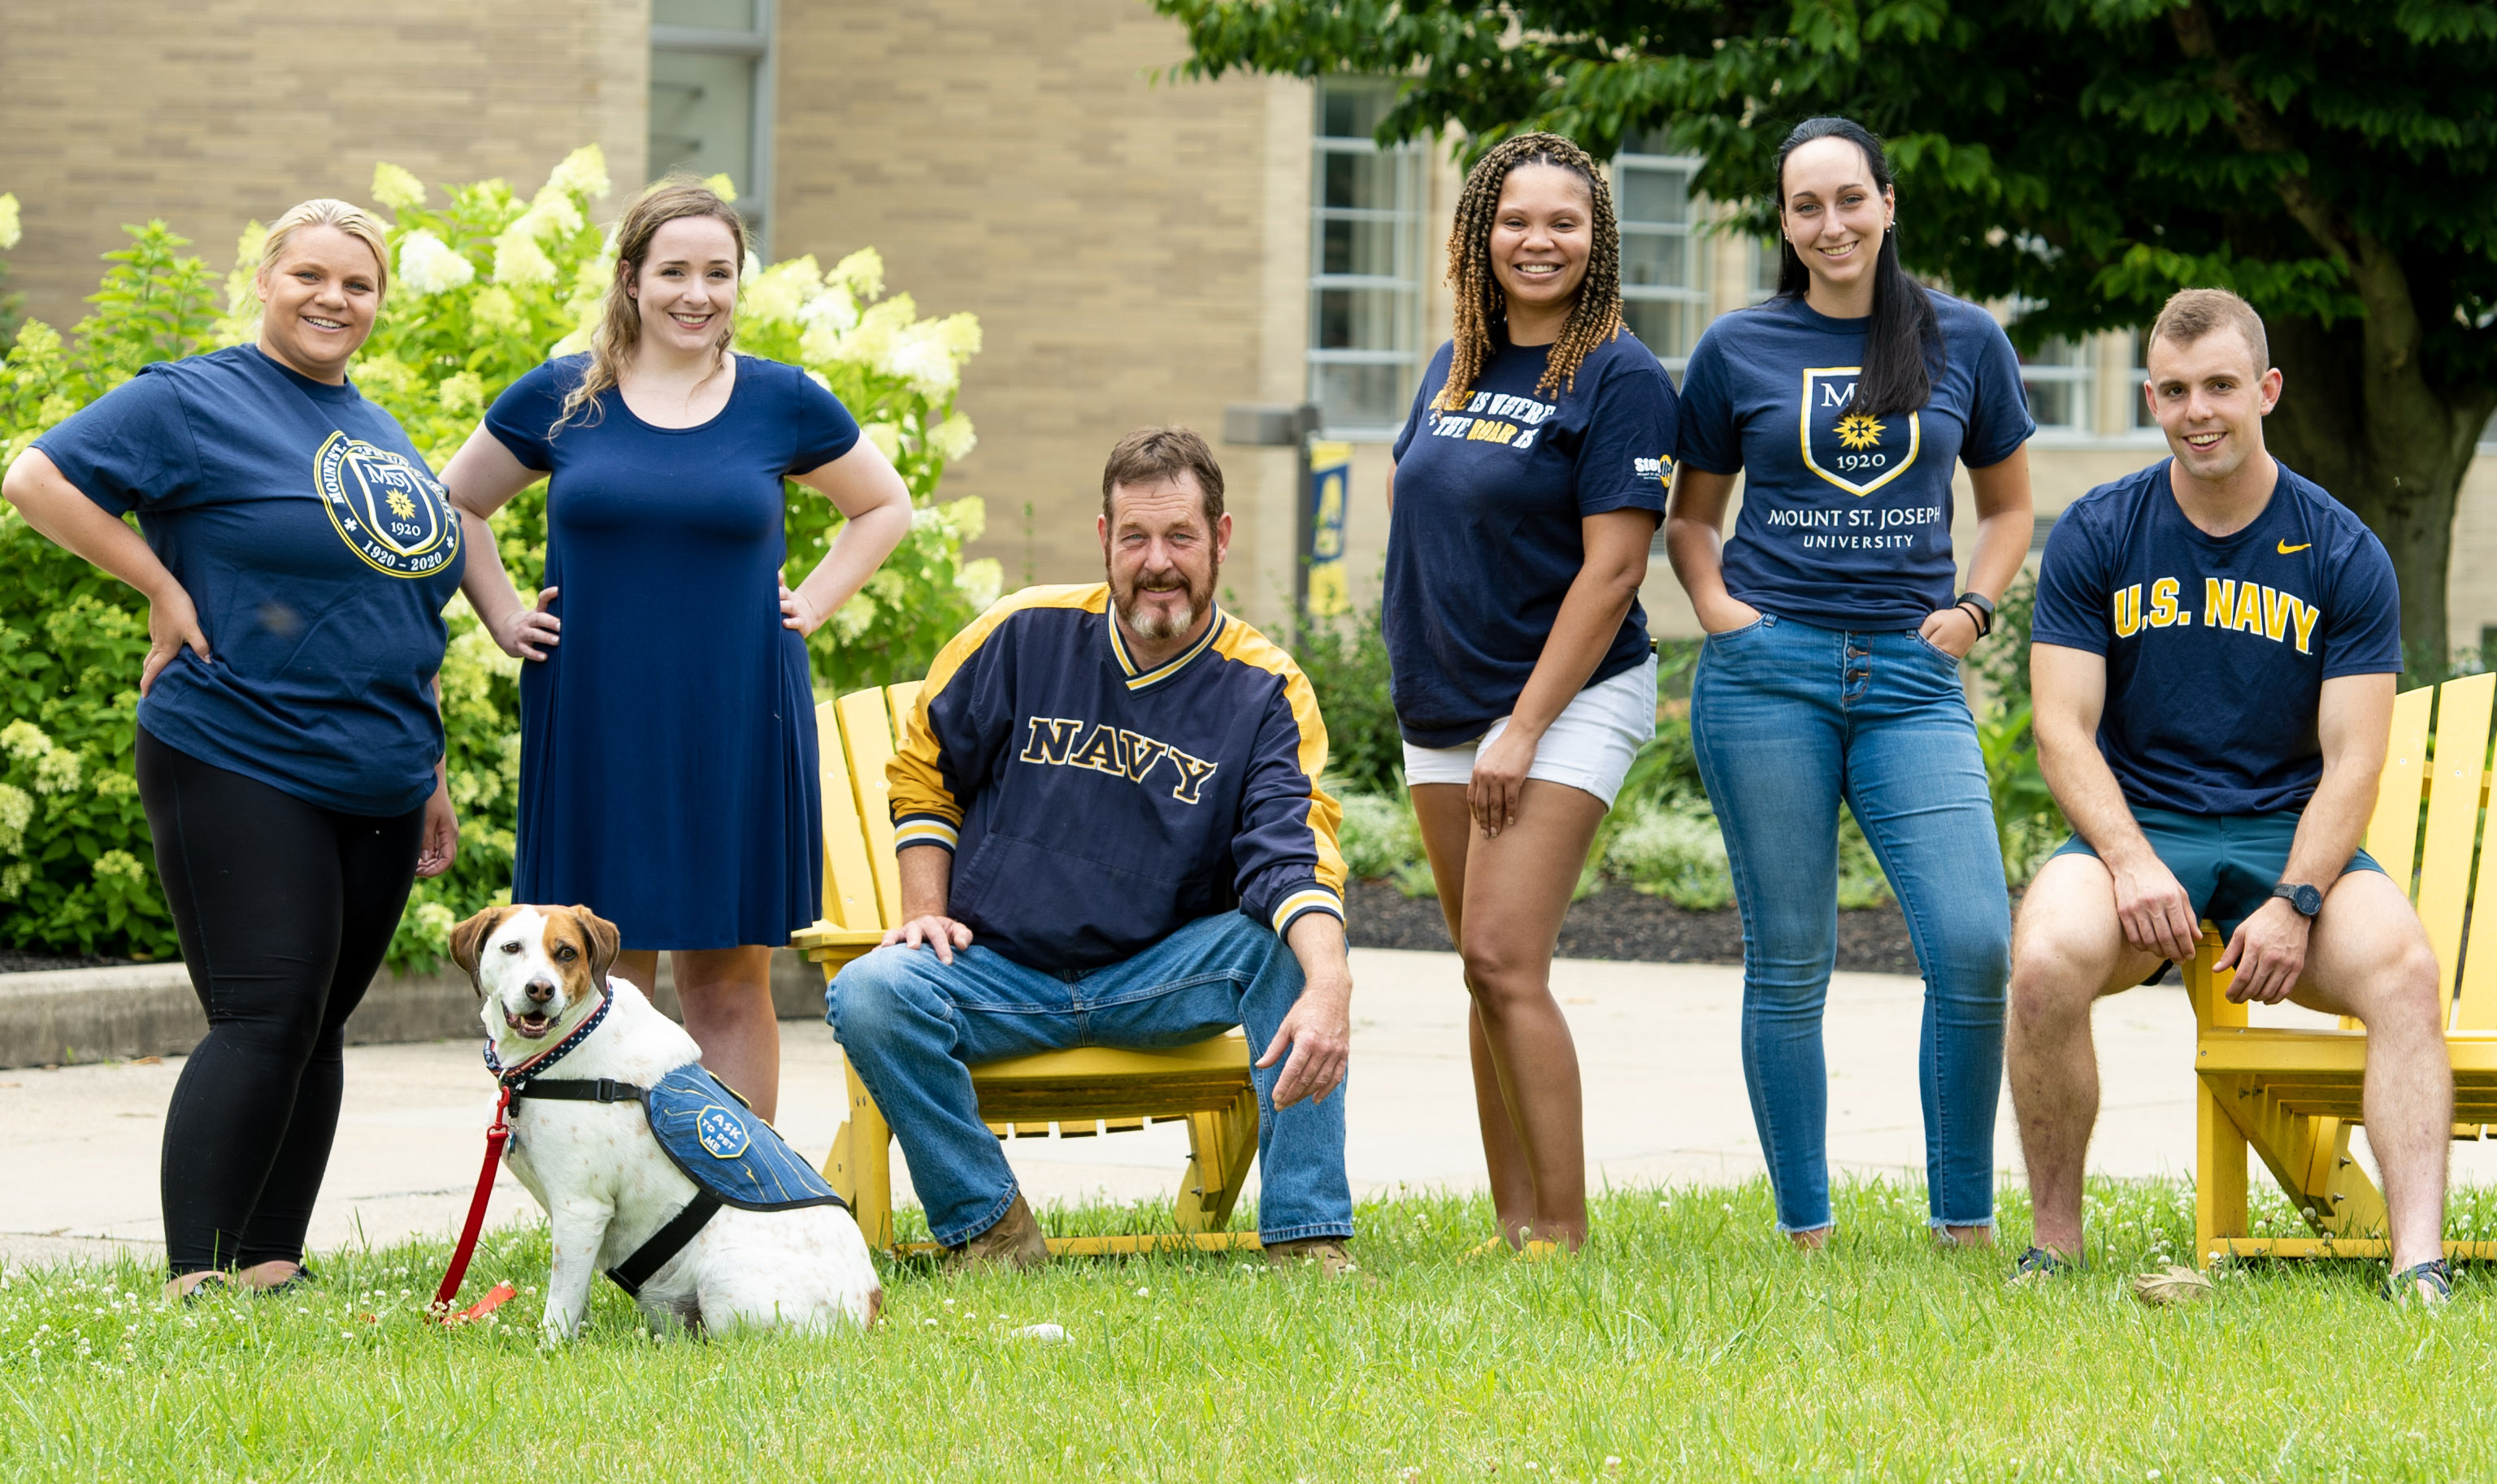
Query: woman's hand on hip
x,y
1727,615
531,631
798,612
440,845
172,626
1951,630
1500,781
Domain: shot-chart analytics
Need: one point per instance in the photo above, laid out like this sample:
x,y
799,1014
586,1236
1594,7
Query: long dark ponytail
x,y
1903,345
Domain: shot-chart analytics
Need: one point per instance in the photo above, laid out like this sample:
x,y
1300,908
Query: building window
x,y
1665,283
1767,257
710,98
2061,378
1366,261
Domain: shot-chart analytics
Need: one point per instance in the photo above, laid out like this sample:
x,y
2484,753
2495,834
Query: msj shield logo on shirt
x,y
392,513
1858,453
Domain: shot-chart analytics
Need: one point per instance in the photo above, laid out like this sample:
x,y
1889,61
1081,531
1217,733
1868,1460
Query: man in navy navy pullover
x,y
2216,642
1111,832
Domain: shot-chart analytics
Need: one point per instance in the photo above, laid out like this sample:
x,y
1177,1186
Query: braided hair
x,y
1595,319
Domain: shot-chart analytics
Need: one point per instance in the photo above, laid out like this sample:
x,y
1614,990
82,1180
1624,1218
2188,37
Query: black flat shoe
x,y
2404,1287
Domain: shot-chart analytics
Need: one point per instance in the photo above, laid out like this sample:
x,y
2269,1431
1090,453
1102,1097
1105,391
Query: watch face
x,y
2308,901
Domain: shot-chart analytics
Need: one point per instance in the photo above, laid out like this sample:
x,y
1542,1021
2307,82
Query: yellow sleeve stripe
x,y
924,831
1242,643
1308,899
915,781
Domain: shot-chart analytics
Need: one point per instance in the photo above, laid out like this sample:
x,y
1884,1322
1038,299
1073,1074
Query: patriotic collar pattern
x,y
515,1076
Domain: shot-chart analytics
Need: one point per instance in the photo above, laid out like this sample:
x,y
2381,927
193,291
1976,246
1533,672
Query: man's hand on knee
x,y
2268,952
1318,1034
932,931
2154,906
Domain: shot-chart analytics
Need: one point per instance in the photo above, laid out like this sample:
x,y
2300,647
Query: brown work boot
x,y
1327,1253
1013,1242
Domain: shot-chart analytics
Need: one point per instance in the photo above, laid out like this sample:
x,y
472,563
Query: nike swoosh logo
x,y
2285,548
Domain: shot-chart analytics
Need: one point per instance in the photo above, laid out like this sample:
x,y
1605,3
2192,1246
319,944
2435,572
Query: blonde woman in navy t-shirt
x,y
296,554
1831,667
1528,484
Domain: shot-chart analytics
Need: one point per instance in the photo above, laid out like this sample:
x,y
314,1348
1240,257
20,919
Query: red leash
x,y
495,1137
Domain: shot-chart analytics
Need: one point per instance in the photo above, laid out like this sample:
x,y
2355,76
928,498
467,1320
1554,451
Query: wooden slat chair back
x,y
2293,1096
1076,1093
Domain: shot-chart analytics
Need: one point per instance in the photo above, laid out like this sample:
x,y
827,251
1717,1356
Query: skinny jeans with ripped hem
x,y
284,910
1787,719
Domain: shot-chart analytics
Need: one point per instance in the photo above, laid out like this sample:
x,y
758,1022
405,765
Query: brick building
x,y
1138,249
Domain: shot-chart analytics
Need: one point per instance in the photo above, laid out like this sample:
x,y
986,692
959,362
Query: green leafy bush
x,y
1673,853
485,288
1345,660
2025,815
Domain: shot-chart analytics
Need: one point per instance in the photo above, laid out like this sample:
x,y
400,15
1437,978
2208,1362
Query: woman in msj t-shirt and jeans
x,y
1831,665
1528,484
297,555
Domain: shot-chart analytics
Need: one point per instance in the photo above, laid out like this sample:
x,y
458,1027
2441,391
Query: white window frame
x,y
1696,241
761,44
1406,221
2080,374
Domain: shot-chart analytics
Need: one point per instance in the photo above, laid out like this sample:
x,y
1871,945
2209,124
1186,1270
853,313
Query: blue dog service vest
x,y
723,1147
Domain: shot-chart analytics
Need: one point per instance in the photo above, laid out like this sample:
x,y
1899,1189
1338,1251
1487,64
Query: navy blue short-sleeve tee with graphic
x,y
1485,540
319,550
2217,646
1845,518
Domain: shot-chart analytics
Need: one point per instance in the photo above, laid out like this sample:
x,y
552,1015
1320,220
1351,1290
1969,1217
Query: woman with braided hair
x,y
1531,476
1831,667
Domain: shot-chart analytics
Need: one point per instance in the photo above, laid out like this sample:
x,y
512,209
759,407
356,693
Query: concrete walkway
x,y
1659,1043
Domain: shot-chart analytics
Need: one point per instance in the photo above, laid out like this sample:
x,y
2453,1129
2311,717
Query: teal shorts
x,y
2228,863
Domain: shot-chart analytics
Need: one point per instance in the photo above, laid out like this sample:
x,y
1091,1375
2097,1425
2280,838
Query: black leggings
x,y
284,909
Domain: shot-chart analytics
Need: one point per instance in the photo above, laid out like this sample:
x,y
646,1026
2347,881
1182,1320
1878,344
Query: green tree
x,y
2335,163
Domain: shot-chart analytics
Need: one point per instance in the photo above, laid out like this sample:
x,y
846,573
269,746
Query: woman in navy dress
x,y
668,731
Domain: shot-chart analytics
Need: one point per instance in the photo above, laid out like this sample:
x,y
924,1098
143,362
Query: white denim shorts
x,y
1588,746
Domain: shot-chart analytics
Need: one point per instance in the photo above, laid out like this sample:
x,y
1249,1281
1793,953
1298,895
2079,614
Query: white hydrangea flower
x,y
969,516
872,339
519,259
10,230
862,273
17,810
23,740
749,269
462,392
583,173
953,438
981,581
397,188
428,265
552,213
495,308
920,356
886,437
776,295
960,334
14,879
57,771
722,186
120,863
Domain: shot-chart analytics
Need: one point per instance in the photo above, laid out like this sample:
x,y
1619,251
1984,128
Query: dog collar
x,y
514,1077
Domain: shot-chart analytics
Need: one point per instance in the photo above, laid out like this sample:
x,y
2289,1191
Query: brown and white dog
x,y
606,1183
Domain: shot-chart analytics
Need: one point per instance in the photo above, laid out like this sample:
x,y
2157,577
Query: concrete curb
x,y
69,1016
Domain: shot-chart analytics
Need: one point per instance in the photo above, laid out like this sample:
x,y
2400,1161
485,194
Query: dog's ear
x,y
468,942
605,942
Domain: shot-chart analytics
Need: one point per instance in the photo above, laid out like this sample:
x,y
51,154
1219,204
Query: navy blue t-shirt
x,y
1846,519
2216,647
319,550
1485,540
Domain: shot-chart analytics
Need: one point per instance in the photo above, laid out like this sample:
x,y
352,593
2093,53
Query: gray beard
x,y
1155,628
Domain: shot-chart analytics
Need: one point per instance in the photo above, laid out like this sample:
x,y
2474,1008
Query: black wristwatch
x,y
2305,898
1984,611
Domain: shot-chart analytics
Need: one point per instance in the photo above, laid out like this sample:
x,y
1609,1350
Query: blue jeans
x,y
1787,720
914,1028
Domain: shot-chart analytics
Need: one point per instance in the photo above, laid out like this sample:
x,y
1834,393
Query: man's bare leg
x,y
2067,951
2368,957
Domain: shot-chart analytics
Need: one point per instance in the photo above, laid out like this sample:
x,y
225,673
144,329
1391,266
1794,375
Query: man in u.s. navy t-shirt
x,y
2216,642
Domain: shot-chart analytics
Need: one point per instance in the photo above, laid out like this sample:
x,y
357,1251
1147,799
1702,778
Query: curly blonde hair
x,y
1595,319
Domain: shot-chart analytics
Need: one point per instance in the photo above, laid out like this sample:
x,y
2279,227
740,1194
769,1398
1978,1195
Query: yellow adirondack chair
x,y
2294,1094
1079,1093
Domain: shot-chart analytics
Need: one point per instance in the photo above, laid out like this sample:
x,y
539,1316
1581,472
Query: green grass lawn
x,y
1686,1343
